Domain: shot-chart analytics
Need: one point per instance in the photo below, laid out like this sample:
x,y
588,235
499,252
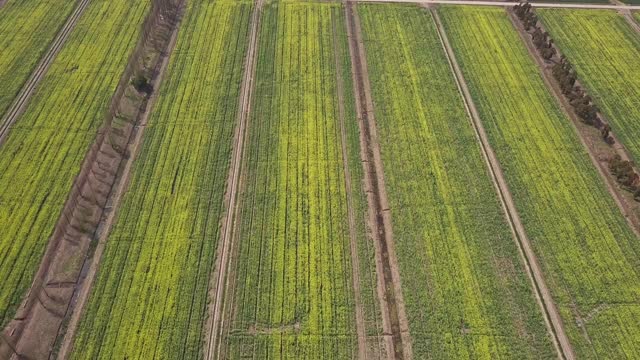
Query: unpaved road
x,y
394,319
29,87
543,295
225,245
508,4
353,239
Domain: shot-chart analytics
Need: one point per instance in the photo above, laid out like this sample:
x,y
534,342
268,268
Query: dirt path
x,y
543,295
81,295
225,245
29,87
394,319
588,136
355,262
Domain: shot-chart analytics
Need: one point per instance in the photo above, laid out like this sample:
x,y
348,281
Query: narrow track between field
x,y
217,287
353,239
543,295
394,319
29,87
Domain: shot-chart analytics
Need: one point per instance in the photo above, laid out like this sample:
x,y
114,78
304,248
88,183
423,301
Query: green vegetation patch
x,y
464,283
27,28
150,296
293,295
588,253
605,52
45,148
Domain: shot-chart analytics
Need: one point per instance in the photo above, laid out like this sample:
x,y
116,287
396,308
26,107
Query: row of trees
x,y
582,103
563,70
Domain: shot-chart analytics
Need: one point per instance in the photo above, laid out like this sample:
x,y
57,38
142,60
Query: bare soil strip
x,y
90,268
29,87
543,295
394,319
355,262
213,342
590,137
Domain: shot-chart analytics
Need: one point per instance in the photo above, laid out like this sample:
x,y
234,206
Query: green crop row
x,y
605,52
588,253
27,28
149,299
464,283
293,293
44,150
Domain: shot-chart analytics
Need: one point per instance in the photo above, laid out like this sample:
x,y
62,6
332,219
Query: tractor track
x,y
552,317
29,87
395,324
213,343
353,239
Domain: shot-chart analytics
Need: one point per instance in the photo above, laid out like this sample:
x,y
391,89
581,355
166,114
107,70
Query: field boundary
x,y
394,319
218,282
29,87
353,239
552,318
619,195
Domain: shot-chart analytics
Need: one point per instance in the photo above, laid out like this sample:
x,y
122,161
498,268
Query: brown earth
x,y
395,323
355,262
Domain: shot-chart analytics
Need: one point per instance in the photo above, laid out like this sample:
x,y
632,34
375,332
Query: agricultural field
x,y
27,28
588,253
291,293
464,284
605,52
150,294
44,149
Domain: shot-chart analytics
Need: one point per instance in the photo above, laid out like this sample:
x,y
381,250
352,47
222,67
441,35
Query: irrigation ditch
x,y
395,323
59,290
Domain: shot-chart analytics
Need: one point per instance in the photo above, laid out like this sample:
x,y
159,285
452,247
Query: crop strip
x,y
552,318
213,342
355,262
395,322
21,101
81,294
